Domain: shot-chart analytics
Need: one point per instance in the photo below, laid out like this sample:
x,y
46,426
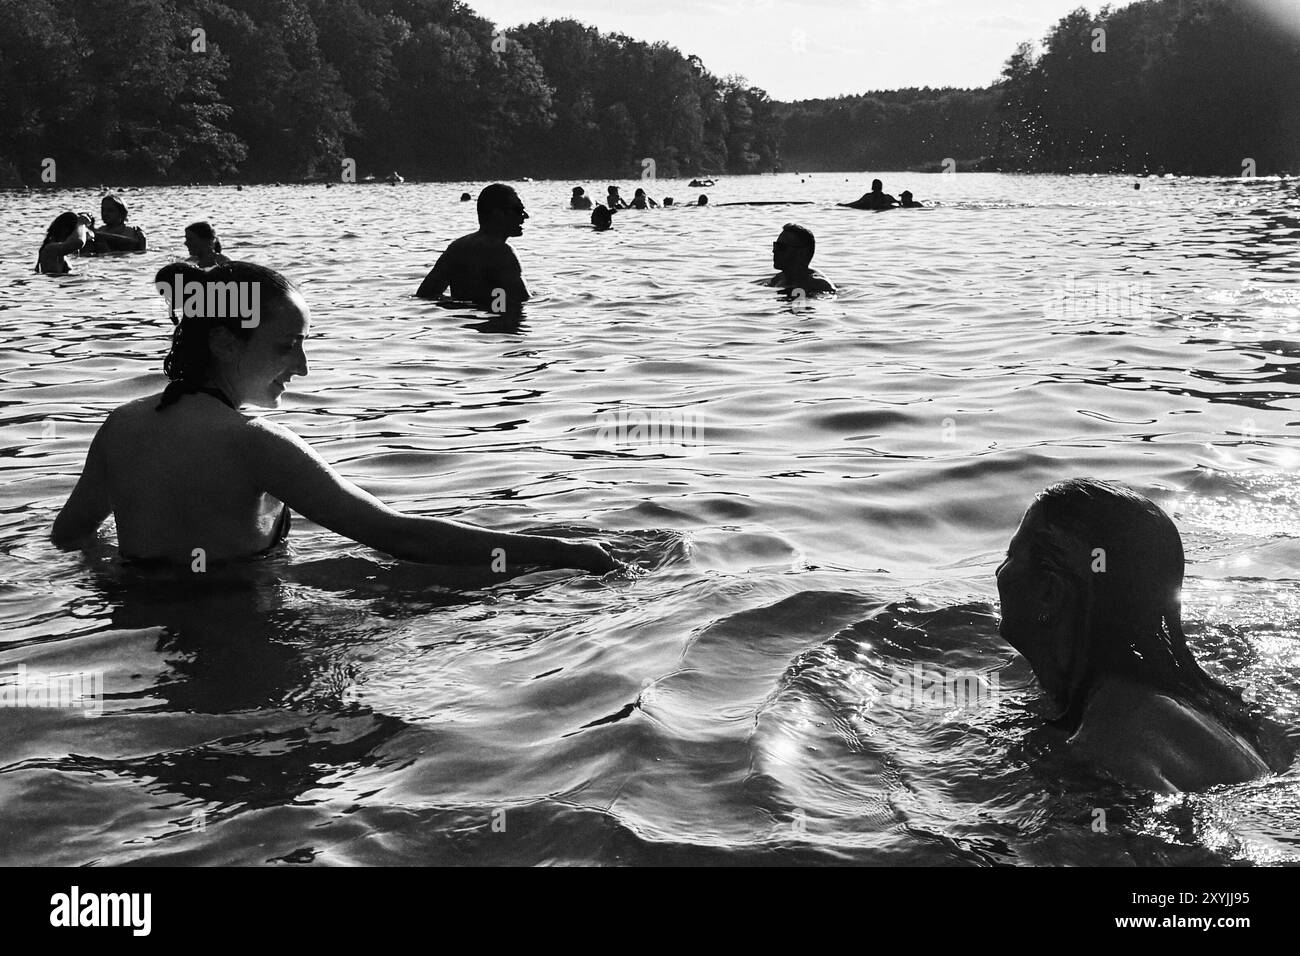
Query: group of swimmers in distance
x,y
184,472
73,232
879,199
602,215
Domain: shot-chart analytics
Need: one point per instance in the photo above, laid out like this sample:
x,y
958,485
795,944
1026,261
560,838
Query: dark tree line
x,y
180,90
157,90
1189,86
891,129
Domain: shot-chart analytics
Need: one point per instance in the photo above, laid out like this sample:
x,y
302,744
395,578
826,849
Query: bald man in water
x,y
481,267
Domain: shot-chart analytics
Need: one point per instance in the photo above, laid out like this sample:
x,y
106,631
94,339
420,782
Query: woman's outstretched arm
x,y
288,468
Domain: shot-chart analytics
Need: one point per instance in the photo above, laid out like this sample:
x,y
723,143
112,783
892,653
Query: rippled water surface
x,y
856,467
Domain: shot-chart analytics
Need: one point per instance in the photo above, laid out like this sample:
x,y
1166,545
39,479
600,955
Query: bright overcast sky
x,y
846,46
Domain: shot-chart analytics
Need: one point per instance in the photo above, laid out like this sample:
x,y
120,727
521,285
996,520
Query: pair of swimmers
x,y
184,471
879,199
73,232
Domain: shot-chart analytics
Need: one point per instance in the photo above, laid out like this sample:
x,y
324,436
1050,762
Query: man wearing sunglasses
x,y
481,267
792,253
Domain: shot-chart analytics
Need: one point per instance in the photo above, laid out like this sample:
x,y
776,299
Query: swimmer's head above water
x,y
501,211
794,248
112,210
201,239
1091,593
239,329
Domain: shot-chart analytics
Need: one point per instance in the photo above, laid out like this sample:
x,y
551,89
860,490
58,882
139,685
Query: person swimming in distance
x,y
1091,596
702,201
184,472
69,232
668,201
115,235
613,200
876,199
481,267
908,202
700,184
204,246
792,254
580,199
465,197
601,218
641,201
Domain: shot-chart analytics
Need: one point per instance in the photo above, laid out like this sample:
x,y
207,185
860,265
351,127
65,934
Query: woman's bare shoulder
x,y
1153,740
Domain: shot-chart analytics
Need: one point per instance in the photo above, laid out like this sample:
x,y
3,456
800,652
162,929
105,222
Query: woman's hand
x,y
587,556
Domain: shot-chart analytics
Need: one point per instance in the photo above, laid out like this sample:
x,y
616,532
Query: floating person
x,y
668,201
601,218
115,235
876,199
481,267
702,201
189,478
1090,592
69,232
908,202
465,197
204,246
700,184
641,201
580,199
792,254
613,200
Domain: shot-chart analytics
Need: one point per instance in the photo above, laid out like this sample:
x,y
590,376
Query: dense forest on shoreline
x,y
185,90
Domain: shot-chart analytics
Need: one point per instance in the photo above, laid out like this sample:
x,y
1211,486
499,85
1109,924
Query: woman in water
x,y
188,476
115,235
1090,592
70,232
641,201
204,246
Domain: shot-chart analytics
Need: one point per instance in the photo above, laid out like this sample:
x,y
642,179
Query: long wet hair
x,y
189,362
64,225
205,232
113,200
1131,612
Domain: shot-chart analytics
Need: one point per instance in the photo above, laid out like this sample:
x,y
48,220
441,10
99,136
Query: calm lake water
x,y
818,491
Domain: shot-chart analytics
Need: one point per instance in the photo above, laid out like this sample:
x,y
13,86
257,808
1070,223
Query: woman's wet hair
x,y
64,225
1130,609
113,200
189,362
205,232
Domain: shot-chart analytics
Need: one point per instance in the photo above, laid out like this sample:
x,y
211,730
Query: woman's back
x,y
184,478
